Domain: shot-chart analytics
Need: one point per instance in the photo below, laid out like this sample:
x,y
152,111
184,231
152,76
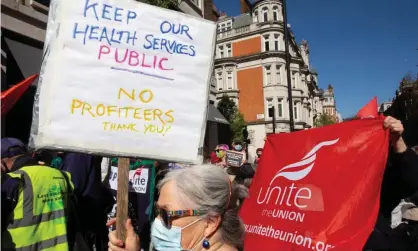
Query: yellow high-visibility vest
x,y
38,221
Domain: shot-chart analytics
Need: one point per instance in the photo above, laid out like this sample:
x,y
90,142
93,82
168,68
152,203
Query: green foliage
x,y
227,107
229,110
168,4
237,126
324,120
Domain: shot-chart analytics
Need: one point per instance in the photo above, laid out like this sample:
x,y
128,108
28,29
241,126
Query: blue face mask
x,y
238,147
163,238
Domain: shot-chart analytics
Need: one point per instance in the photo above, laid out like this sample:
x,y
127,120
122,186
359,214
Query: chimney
x,y
245,6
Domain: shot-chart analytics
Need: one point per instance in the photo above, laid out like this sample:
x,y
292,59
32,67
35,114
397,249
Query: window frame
x,y
219,81
295,110
269,101
267,75
266,41
265,13
229,80
228,50
280,107
275,13
278,74
276,42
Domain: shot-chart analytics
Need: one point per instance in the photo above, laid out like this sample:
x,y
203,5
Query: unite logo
x,y
286,195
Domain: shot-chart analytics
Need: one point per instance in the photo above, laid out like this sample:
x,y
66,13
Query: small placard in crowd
x,y
234,158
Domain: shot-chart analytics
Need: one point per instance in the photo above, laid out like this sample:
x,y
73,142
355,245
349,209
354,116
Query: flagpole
x,y
288,58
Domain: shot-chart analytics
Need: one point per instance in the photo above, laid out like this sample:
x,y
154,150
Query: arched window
x,y
265,12
276,13
255,16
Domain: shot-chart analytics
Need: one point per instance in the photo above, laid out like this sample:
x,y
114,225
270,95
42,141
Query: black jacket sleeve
x,y
406,164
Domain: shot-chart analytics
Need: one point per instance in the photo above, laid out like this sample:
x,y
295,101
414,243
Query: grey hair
x,y
208,188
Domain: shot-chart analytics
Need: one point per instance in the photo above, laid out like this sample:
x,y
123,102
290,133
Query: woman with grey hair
x,y
197,210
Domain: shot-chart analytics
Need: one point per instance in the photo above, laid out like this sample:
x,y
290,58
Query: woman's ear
x,y
212,224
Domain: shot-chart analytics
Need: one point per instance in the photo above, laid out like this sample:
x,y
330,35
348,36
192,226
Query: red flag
x,y
369,110
13,94
317,189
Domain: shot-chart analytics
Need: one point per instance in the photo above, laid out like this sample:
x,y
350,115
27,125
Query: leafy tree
x,y
237,126
168,4
228,108
324,120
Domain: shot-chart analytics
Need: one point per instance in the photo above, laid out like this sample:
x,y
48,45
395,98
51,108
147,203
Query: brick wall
x,y
251,95
246,47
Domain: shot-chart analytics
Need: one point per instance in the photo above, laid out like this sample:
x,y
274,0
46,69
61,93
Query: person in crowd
x,y
141,196
197,210
218,155
30,190
400,181
94,200
258,152
239,146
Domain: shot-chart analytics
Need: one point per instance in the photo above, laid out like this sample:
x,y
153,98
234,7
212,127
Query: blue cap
x,y
11,147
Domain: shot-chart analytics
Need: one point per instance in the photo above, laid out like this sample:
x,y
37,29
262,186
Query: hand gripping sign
x,y
317,189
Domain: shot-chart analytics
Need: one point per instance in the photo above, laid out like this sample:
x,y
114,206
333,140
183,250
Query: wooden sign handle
x,y
122,198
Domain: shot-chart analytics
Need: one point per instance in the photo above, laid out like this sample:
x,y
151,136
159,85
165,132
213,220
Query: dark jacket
x,y
10,188
400,181
94,200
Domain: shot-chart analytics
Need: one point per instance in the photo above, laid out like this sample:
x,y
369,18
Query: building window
x,y
220,81
270,108
293,80
196,2
229,80
266,43
278,75
268,74
228,26
221,51
255,16
295,111
276,42
280,107
228,50
265,12
275,13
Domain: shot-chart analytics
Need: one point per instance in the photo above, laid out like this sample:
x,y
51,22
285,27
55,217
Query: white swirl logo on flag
x,y
308,160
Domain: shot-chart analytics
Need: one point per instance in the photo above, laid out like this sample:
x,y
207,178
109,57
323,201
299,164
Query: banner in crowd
x,y
124,78
317,189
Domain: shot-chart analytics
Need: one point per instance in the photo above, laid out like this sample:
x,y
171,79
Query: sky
x,y
362,48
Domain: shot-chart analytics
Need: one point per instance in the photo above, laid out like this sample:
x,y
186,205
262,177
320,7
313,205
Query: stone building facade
x,y
250,67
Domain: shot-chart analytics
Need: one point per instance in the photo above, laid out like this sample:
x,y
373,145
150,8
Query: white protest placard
x,y
124,78
138,182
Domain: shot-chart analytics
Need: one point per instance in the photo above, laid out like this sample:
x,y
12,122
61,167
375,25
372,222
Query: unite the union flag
x,y
317,189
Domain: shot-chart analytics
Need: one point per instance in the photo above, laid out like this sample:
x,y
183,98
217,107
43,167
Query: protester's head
x,y
238,145
198,208
259,152
11,149
220,150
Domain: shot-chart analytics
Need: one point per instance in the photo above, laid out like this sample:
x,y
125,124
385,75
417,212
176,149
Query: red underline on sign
x,y
142,73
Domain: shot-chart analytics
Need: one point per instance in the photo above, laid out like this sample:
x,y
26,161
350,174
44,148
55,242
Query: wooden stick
x,y
122,198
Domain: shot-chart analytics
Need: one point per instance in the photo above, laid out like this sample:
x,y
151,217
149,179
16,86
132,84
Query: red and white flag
x,y
317,189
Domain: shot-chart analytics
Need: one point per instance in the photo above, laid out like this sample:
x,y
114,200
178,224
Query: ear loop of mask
x,y
189,226
227,206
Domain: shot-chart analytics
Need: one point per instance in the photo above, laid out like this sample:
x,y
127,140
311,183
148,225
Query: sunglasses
x,y
167,216
219,150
